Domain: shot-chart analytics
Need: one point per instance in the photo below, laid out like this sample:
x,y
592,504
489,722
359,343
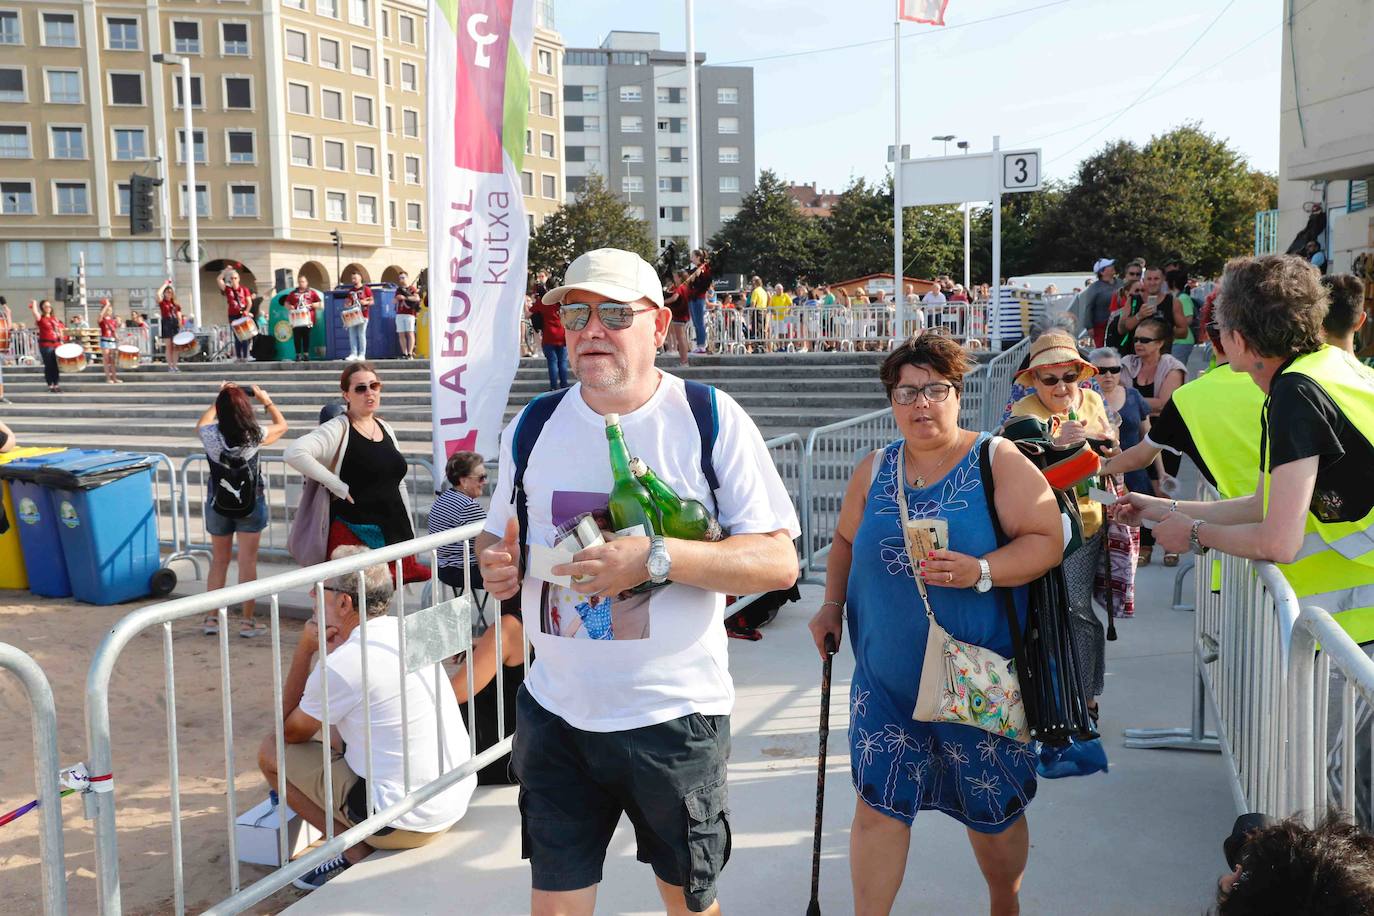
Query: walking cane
x,y
814,907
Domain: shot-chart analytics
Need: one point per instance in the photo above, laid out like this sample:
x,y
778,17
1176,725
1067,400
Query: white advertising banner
x,y
478,91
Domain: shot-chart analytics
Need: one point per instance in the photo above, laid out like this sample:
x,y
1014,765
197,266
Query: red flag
x,y
930,12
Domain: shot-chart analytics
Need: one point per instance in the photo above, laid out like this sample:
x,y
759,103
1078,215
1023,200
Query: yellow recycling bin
x,y
12,574
422,334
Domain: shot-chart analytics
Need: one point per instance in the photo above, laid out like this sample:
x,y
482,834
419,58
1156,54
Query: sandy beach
x,y
62,635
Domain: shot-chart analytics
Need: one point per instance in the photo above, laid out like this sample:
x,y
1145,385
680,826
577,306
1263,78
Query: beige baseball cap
x,y
620,275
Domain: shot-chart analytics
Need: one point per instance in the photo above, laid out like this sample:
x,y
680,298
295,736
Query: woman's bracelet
x,y
838,604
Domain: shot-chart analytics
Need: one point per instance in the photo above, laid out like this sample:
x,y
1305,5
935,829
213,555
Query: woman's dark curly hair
x,y
933,351
1289,870
1276,302
234,414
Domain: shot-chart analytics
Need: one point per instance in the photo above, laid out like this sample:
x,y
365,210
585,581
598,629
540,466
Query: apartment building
x,y
625,118
541,177
308,117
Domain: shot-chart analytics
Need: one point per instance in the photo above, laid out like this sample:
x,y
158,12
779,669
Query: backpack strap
x,y
527,431
702,399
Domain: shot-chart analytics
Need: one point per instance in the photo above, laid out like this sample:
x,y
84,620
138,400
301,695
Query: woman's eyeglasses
x,y
480,478
935,392
365,387
1068,378
616,316
1109,370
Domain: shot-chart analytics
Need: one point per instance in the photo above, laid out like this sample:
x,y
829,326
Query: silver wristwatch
x,y
984,583
659,563
1195,542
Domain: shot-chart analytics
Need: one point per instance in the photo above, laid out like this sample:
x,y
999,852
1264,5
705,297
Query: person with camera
x,y
236,505
1149,300
544,318
636,724
408,302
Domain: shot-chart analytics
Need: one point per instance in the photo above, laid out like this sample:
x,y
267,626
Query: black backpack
x,y
234,485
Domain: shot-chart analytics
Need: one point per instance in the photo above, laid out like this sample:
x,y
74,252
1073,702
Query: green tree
x,y
770,236
597,218
858,235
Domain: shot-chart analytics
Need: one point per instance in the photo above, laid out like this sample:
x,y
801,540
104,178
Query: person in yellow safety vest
x,y
1313,509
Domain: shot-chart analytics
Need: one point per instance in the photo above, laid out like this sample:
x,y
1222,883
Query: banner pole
x,y
897,288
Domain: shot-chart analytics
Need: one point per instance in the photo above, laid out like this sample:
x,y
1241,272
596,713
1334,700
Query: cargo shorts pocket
x,y
708,840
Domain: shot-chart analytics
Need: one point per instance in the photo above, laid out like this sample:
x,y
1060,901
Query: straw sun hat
x,y
1054,349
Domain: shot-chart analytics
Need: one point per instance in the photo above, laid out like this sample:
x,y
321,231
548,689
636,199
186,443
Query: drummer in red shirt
x,y
359,297
549,320
109,342
51,333
300,304
239,300
407,307
171,322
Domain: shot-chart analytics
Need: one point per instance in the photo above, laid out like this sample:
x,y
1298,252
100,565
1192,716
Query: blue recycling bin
x,y
381,323
36,514
107,524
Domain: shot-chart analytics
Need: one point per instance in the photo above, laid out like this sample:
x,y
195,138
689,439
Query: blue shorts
x,y
221,526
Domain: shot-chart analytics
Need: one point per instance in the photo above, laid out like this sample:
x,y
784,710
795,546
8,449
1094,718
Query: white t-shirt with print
x,y
615,665
347,712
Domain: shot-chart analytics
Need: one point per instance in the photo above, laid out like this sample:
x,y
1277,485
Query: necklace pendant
x,y
920,483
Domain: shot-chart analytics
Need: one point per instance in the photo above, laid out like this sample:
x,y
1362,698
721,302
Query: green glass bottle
x,y
679,518
631,506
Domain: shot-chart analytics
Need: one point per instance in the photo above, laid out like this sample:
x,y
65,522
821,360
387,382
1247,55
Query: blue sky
x,y
1063,75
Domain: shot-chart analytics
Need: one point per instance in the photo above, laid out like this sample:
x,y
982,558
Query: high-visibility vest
x,y
1222,412
1335,567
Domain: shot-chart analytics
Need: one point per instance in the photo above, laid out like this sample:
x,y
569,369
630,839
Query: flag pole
x,y
897,288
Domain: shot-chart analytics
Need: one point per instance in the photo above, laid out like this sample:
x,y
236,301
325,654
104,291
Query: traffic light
x,y
141,189
334,234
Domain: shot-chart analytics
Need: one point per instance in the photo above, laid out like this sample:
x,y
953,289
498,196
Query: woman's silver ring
x,y
949,577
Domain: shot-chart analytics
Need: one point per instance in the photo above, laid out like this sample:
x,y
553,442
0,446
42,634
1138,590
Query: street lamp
x,y
192,207
944,138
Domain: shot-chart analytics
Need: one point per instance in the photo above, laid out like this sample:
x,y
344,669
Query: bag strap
x,y
527,430
701,399
1018,648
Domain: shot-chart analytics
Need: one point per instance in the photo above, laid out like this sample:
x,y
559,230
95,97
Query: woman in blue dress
x,y
901,766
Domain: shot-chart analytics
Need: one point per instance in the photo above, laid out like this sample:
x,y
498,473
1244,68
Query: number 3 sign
x,y
1020,170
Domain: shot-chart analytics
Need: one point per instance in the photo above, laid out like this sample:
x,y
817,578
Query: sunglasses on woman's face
x,y
365,387
1068,378
1132,273
1109,370
1147,340
480,478
616,316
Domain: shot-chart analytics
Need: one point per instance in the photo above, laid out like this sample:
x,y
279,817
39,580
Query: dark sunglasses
x,y
1147,340
616,316
1049,381
1132,273
1109,370
365,387
480,477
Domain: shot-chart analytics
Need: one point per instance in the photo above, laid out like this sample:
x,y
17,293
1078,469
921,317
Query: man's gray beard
x,y
615,380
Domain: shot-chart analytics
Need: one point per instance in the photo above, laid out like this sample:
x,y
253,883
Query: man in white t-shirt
x,y
303,701
626,707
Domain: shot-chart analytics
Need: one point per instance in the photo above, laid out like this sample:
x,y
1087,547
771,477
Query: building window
x,y
545,62
123,194
198,144
386,70
549,186
409,77
546,146
296,46
410,122
389,114
728,155
728,213
727,95
16,198
121,34
663,124
335,206
302,150
546,104
631,124
391,213
727,125
527,184
412,170
413,216
138,259
73,198
665,154
334,155
25,258
197,97
328,8
591,153
575,184
364,159
233,39
361,59
631,184
631,94
591,124
130,143
665,184
95,257
529,142
329,54
59,30
367,209
331,104
68,142
662,95
202,201
391,167
64,87
632,154
360,12
406,28
126,88
303,203
186,37
591,93
298,98
14,142
243,201
12,84
241,145
10,33
362,110
729,184
294,4
238,93
386,24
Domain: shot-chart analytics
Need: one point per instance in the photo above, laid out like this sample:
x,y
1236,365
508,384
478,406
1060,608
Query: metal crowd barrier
x,y
138,337
46,765
427,636
282,486
836,327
